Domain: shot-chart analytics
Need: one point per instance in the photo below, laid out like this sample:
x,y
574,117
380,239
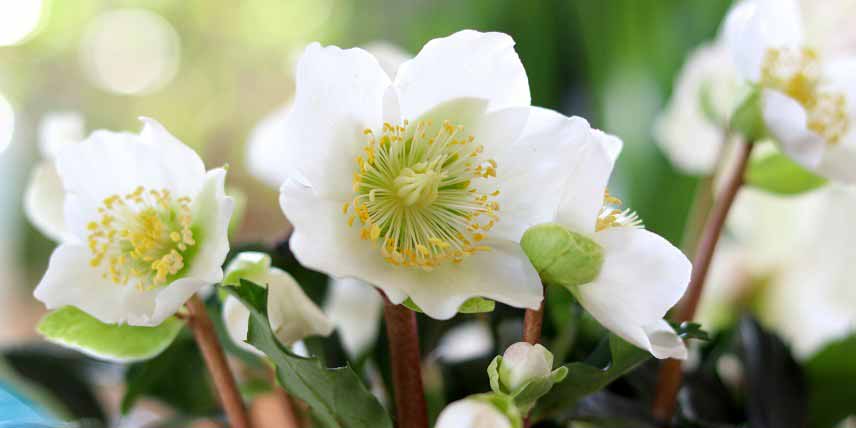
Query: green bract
x,y
560,256
777,173
748,119
531,386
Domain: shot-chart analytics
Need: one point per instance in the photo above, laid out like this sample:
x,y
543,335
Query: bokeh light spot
x,y
18,19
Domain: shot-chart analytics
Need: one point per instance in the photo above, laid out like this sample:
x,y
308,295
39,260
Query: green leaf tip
x,y
560,256
777,173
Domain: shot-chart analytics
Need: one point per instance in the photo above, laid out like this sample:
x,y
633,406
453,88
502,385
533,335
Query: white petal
x,y
212,210
58,129
589,173
267,157
786,120
293,316
471,413
467,64
109,163
753,26
323,241
465,342
388,55
236,318
839,160
339,94
355,307
70,280
664,342
642,276
43,201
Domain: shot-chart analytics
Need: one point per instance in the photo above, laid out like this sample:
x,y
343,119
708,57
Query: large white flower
x,y
422,185
44,197
691,129
266,146
641,274
808,93
146,227
356,309
292,315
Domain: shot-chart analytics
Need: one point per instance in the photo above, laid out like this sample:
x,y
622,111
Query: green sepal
x,y
247,265
777,173
528,394
748,118
337,396
473,305
74,328
560,256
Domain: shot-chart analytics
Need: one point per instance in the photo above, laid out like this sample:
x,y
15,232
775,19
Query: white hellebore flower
x,y
623,275
146,227
421,185
44,197
265,149
473,412
355,309
808,96
292,315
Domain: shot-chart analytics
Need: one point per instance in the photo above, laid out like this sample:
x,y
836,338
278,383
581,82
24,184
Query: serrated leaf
x,y
613,359
777,173
473,305
337,396
73,328
831,375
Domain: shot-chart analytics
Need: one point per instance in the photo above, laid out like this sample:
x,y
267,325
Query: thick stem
x,y
215,359
532,322
670,372
403,336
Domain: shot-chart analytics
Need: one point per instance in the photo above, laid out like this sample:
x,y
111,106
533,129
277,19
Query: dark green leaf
x,y
831,377
777,173
337,396
177,377
611,360
690,330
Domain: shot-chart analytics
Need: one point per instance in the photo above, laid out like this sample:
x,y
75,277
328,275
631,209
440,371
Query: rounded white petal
x,y
753,26
58,129
340,93
355,308
267,157
664,343
467,64
465,342
471,413
293,316
323,241
71,281
212,211
43,201
587,178
642,276
236,318
523,362
109,163
388,55
787,121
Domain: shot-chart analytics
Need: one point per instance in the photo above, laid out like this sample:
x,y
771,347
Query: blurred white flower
x,y
355,308
18,20
641,275
292,315
424,223
464,342
691,129
472,413
44,197
808,96
266,146
146,227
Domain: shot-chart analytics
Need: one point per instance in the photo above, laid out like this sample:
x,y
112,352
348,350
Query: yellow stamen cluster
x,y
797,73
421,194
141,237
611,215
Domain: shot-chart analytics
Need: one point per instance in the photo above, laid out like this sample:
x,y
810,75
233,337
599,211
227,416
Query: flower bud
x,y
524,373
479,411
560,256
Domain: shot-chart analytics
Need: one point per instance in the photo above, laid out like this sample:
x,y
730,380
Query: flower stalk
x,y
203,330
403,336
670,376
532,322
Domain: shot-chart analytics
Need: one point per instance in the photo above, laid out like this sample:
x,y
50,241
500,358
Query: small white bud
x,y
522,363
472,413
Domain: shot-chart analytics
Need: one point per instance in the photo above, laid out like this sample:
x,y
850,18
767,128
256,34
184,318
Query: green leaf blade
x,y
73,328
777,173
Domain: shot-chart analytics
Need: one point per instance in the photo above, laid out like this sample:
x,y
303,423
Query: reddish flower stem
x,y
203,330
670,372
403,336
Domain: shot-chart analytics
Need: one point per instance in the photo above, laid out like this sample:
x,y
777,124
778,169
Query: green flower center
x,y
423,194
143,237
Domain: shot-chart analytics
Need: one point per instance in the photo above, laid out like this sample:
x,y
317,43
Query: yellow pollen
x,y
416,194
797,73
141,237
611,215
